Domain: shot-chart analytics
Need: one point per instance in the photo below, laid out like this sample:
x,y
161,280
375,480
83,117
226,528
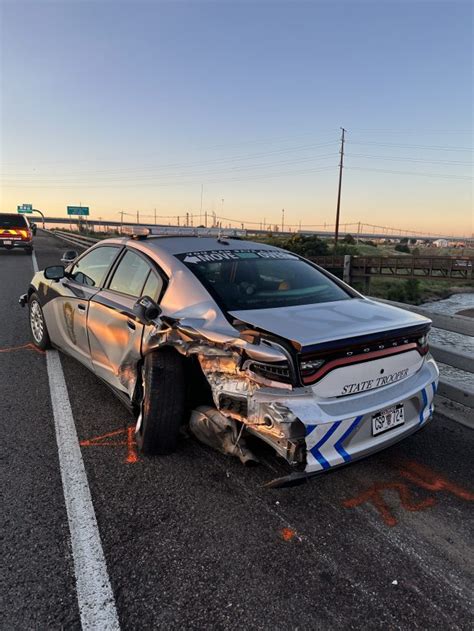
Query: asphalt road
x,y
194,541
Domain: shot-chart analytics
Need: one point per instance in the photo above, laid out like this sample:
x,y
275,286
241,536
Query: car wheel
x,y
163,402
39,332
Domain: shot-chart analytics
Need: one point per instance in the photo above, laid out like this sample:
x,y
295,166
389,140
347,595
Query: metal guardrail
x,y
448,389
75,239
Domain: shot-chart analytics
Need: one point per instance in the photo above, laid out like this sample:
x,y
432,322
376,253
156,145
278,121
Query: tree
x,y
349,239
402,248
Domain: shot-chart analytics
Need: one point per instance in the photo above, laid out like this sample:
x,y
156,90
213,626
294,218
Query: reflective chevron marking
x,y
315,451
325,446
338,445
425,403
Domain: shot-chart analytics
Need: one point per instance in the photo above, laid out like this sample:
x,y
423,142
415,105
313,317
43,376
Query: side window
x,y
153,286
130,275
93,267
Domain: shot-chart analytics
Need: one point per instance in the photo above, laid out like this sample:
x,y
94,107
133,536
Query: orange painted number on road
x,y
419,475
118,438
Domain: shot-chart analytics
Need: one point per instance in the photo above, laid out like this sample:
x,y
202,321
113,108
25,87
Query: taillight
x,y
310,367
423,345
25,234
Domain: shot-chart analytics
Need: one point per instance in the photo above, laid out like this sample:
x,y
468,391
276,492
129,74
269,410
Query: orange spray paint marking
x,y
424,477
23,347
419,475
287,534
111,439
374,495
132,455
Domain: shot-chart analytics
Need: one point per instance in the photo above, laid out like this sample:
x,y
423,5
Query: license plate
x,y
387,419
7,242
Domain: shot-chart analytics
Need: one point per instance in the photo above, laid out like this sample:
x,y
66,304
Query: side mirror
x,y
54,272
146,310
69,256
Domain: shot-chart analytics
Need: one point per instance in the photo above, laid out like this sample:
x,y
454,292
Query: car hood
x,y
317,323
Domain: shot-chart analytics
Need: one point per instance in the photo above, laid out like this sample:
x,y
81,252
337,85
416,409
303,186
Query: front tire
x,y
38,330
163,402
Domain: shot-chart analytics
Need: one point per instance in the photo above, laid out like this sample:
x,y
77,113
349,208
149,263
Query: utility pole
x,y
155,216
138,217
282,219
200,212
341,166
205,219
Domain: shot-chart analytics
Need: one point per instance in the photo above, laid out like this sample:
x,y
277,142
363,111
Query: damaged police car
x,y
238,338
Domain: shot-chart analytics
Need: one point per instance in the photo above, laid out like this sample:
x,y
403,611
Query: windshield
x,y
261,279
13,221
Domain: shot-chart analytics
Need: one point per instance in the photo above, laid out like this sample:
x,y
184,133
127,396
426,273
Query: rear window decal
x,y
211,256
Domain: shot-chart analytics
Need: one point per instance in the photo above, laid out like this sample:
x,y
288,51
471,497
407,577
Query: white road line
x,y
94,592
34,261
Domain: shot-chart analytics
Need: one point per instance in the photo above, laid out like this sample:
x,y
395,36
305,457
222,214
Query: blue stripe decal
x,y
338,445
433,385
309,429
315,450
425,403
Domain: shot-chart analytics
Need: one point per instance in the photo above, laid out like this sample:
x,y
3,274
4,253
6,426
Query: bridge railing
x,y
403,266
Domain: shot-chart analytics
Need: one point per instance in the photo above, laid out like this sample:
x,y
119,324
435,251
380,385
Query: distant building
x,y
441,243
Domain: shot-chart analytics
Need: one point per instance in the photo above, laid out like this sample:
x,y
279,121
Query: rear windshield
x,y
12,221
261,279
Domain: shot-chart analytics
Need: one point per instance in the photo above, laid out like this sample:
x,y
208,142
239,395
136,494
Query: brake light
x,y
25,234
423,345
310,368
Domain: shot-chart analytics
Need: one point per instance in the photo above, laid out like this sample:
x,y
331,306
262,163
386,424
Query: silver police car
x,y
238,338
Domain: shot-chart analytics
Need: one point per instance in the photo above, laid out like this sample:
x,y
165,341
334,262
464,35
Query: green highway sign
x,y
25,208
78,210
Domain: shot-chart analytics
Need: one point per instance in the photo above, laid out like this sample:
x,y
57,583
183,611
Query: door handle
x,y
131,325
81,307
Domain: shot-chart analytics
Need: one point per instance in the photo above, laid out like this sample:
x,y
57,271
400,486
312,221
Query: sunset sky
x,y
136,106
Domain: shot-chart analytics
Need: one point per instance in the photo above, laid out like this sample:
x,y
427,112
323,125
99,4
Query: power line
x,y
407,159
429,148
203,174
440,175
219,160
120,184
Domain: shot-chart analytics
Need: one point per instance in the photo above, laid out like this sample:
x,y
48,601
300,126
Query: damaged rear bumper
x,y
338,431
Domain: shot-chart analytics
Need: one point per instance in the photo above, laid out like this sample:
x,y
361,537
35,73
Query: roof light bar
x,y
142,232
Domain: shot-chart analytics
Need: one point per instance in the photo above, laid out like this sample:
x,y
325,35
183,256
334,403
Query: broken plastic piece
x,y
219,432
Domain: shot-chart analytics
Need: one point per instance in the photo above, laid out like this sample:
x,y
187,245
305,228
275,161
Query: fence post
x,y
346,275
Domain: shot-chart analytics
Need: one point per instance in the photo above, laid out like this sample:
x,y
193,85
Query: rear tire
x,y
38,329
163,402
